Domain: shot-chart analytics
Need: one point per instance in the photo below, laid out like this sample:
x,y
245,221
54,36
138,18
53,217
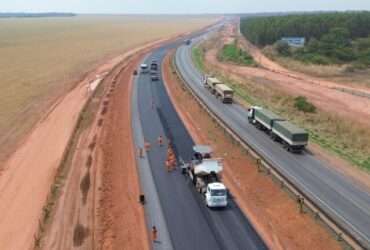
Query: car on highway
x,y
144,68
154,65
155,77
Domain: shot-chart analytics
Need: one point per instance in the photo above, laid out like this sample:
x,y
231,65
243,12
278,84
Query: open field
x,y
344,74
41,59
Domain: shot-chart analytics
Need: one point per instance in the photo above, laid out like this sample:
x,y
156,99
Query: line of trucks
x,y
293,138
220,90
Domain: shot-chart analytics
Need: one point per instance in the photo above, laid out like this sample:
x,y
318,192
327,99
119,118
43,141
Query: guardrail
x,y
342,234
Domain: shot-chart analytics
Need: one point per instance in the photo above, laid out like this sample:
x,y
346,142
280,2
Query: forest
x,y
340,37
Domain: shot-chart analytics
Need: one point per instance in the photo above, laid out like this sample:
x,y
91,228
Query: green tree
x,y
282,48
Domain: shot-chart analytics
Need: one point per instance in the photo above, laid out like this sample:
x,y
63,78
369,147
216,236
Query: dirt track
x,y
28,174
274,214
272,66
323,94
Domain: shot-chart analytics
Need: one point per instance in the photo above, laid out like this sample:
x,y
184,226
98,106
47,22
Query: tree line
x,y
264,31
332,38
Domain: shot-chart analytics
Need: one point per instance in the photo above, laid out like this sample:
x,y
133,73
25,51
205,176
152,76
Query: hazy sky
x,y
179,6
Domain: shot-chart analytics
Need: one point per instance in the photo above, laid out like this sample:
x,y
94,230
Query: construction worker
x,y
147,146
160,141
154,233
168,166
141,152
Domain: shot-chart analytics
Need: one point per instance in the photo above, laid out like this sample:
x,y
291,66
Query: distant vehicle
x,y
210,83
154,66
220,90
144,68
204,173
225,93
293,138
188,42
155,78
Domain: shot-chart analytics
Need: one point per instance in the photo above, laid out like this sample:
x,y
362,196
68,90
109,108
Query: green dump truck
x,y
225,93
292,137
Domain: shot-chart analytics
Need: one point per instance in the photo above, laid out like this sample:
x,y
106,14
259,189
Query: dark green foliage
x,y
333,38
267,30
362,48
282,48
302,104
232,53
197,54
334,47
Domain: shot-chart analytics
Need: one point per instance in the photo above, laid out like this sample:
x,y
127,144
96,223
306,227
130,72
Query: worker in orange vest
x,y
147,146
154,234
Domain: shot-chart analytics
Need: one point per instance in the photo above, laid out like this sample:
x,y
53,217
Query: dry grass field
x,y
42,58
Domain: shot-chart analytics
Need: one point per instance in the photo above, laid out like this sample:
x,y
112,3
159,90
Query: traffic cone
x,y
160,141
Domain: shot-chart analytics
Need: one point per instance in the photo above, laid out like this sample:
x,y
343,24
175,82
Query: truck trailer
x,y
210,83
205,174
295,139
225,93
292,137
263,118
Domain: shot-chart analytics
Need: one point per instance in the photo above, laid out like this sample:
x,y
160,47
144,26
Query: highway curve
x,y
345,201
191,225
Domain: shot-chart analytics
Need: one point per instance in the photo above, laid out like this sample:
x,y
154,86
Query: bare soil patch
x,y
84,212
121,217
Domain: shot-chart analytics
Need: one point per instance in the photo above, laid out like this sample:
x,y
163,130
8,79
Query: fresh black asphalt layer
x,y
190,223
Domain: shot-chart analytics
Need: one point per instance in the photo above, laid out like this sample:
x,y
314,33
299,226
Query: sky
x,y
179,6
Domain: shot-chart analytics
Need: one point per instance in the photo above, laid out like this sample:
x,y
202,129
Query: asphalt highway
x,y
191,225
343,199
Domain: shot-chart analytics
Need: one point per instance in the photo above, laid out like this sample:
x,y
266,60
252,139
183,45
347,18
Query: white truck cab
x,y
216,195
251,111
